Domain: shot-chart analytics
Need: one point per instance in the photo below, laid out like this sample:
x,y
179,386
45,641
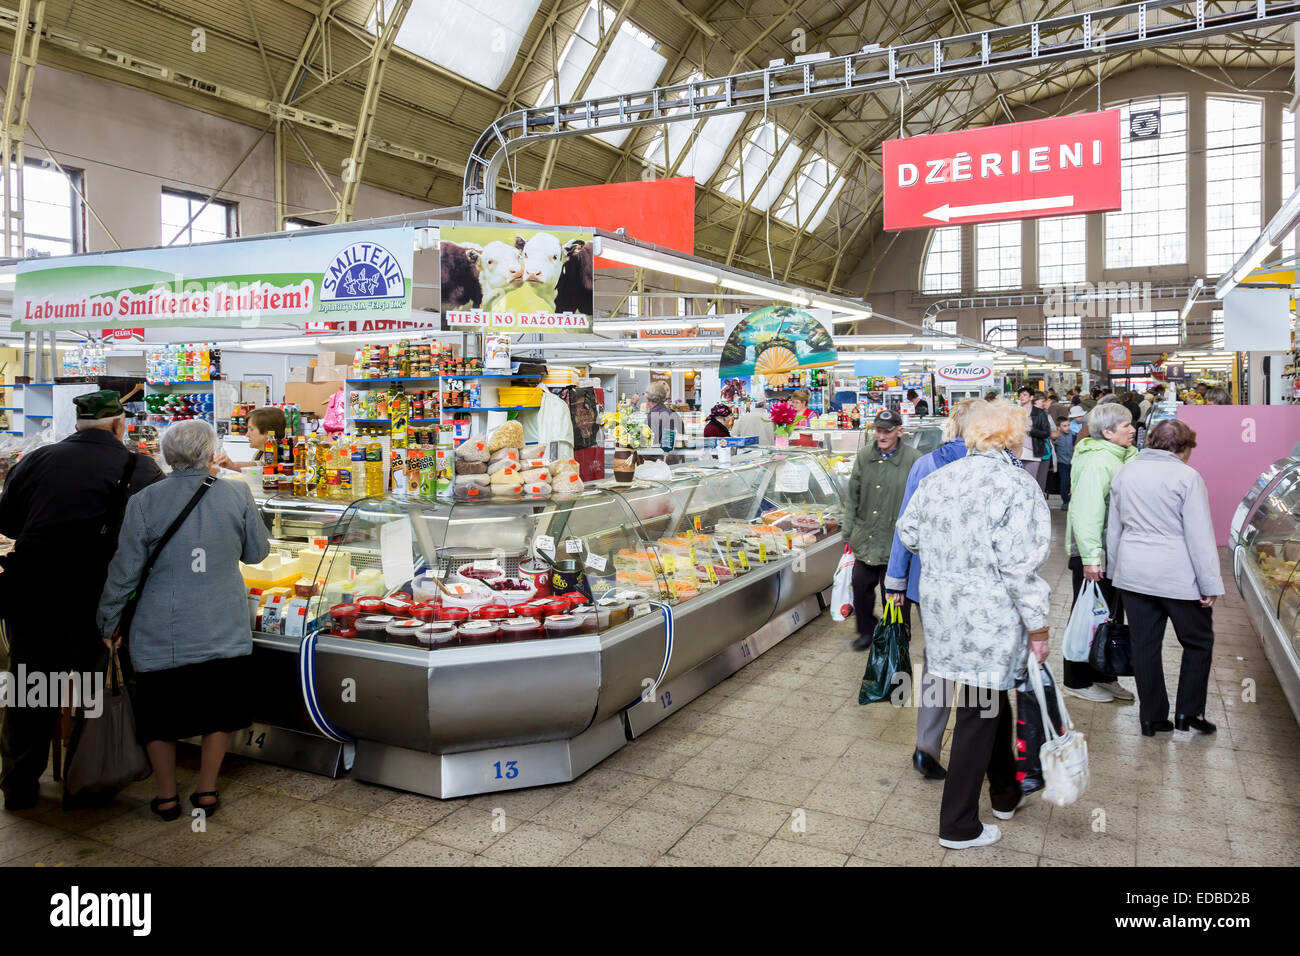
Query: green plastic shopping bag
x,y
890,657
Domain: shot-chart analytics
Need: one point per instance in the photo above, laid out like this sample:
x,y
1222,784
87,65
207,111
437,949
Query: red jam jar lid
x,y
345,632
575,599
449,613
370,605
342,612
398,604
491,612
560,605
424,612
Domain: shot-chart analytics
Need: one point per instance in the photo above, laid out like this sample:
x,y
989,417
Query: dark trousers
x,y
1194,627
1063,472
1079,674
867,580
981,746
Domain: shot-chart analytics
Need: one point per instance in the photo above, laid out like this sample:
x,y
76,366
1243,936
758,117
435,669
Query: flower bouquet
x,y
629,436
783,418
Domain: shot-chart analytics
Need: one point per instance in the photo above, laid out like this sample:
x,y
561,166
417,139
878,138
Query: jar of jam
x,y
404,631
440,634
562,625
535,608
348,632
480,632
589,618
370,605
521,629
557,605
344,617
425,612
374,627
456,615
575,599
398,605
491,612
613,612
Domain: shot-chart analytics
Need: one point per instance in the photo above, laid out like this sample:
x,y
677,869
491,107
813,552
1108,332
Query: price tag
x,y
486,565
762,551
672,589
573,546
670,564
728,544
744,560
823,482
731,566
690,535
697,522
596,561
544,542
713,575
693,559
439,572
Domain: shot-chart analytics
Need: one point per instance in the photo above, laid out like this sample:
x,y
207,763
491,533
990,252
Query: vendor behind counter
x,y
262,422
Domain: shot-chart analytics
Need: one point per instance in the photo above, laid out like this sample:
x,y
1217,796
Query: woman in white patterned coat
x,y
983,531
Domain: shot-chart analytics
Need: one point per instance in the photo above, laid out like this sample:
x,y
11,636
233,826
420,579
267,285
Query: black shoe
x,y
862,643
209,809
171,813
1156,727
1183,722
21,800
927,766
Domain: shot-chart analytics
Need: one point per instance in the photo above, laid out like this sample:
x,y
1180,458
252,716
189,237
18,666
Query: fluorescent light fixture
x,y
766,292
646,260
1192,293
851,313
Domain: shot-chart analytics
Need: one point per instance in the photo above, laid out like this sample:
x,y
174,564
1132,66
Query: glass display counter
x,y
426,636
1265,538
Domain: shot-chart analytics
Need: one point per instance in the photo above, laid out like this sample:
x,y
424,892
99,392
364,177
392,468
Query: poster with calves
x,y
508,278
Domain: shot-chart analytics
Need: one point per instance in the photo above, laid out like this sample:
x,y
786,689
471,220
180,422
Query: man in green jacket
x,y
1092,469
874,497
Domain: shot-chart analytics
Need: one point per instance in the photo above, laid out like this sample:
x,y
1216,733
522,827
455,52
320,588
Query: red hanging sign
x,y
1119,354
1053,167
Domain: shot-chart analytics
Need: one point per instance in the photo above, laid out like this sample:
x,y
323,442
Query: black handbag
x,y
1111,651
133,599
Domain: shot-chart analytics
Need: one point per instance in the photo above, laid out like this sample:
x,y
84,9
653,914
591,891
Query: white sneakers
x,y
989,836
1116,690
1008,814
1095,693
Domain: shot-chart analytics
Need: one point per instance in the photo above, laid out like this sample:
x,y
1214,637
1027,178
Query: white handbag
x,y
1064,757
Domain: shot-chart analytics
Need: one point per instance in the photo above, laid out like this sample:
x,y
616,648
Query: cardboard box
x,y
298,375
330,373
324,357
312,397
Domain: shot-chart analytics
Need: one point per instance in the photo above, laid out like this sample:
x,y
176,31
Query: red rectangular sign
x,y
1119,354
1052,167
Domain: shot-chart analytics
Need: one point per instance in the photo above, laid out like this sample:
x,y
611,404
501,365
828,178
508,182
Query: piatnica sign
x,y
1052,167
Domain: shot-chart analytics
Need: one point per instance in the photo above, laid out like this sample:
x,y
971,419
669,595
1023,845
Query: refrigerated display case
x,y
436,661
1265,540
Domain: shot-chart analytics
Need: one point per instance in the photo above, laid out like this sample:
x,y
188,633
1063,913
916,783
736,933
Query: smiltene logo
x,y
964,373
364,270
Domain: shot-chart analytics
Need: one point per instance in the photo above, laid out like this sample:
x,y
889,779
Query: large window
x,y
1216,329
1146,328
815,187
945,326
1150,228
997,256
1234,138
478,41
185,219
1288,172
631,62
53,221
1065,332
1001,332
1062,251
705,143
942,270
766,162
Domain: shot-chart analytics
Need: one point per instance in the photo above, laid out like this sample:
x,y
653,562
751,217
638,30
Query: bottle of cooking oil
x,y
374,468
345,470
331,484
358,468
321,458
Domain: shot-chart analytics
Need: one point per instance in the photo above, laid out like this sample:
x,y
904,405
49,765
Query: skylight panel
x,y
478,41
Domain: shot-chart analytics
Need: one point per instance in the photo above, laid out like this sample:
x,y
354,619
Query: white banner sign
x,y
964,375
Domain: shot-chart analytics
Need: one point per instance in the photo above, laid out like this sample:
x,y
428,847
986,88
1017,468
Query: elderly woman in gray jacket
x,y
189,641
1160,541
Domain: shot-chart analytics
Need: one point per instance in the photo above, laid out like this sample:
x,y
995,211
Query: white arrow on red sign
x,y
947,213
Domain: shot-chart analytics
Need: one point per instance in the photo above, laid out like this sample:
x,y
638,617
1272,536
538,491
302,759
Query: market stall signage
x,y
1119,354
509,279
1053,167
776,341
964,375
294,277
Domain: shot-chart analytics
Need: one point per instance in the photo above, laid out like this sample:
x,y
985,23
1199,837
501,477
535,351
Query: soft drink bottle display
x,y
270,466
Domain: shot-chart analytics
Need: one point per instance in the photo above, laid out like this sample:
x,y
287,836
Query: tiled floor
x,y
776,766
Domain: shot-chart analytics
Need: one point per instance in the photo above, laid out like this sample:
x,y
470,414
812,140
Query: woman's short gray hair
x,y
189,444
1107,417
657,392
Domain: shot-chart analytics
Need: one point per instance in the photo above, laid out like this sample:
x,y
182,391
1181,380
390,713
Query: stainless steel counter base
x,y
681,690
488,771
1279,650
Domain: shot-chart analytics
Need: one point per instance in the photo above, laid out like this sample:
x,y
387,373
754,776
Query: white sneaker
x,y
1008,814
1096,692
1116,690
990,835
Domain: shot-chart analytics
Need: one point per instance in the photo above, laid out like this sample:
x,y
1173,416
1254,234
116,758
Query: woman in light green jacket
x,y
1093,467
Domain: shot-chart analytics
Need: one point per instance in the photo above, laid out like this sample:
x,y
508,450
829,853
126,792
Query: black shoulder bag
x,y
133,599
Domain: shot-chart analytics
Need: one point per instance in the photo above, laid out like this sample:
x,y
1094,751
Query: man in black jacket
x,y
1036,456
63,507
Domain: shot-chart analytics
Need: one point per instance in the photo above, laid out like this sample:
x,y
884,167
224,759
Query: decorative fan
x,y
775,364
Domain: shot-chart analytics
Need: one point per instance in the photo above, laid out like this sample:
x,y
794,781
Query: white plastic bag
x,y
842,589
1090,612
1064,757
